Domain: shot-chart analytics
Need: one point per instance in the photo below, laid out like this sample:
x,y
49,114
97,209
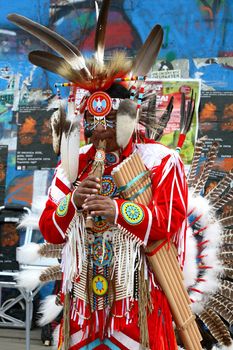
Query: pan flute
x,y
133,182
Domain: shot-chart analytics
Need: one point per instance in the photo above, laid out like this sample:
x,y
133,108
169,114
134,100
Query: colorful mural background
x,y
197,32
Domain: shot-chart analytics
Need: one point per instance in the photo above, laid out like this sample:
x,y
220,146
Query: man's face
x,y
103,130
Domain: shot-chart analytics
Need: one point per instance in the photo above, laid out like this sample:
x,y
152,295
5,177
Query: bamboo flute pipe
x,y
190,339
139,169
179,292
142,196
178,269
167,289
127,172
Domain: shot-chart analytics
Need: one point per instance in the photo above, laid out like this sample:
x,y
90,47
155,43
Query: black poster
x,y
3,169
34,141
9,241
216,121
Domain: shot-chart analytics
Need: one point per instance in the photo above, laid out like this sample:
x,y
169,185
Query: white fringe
x,y
49,310
74,252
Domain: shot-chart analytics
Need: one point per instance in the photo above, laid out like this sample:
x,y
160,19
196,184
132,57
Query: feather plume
x,y
49,310
58,123
148,116
104,75
222,306
196,157
186,115
148,52
70,142
223,200
226,289
221,187
216,326
50,250
66,49
207,167
226,219
51,274
56,65
100,31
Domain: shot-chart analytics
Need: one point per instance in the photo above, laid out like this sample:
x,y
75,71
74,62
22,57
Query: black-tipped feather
x,y
101,30
148,52
54,64
66,49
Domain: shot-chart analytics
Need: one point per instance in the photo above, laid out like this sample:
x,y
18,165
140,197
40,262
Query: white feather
x,y
29,279
29,220
124,130
190,269
28,253
49,310
70,143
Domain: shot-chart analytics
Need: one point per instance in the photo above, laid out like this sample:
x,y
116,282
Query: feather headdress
x,y
90,74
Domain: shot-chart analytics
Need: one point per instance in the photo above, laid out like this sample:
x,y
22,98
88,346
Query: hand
x,y
87,187
100,206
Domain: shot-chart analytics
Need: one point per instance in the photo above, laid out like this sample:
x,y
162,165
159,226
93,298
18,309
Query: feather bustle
x,y
207,167
218,204
222,306
221,187
216,326
226,289
196,157
226,219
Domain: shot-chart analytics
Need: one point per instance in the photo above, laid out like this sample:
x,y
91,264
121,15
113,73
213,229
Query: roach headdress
x,y
94,75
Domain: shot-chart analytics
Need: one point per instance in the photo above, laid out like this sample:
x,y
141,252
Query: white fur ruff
x,y
124,130
48,310
190,269
29,279
28,253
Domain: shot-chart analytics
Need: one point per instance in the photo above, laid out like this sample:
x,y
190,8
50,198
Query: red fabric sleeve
x,y
155,217
56,219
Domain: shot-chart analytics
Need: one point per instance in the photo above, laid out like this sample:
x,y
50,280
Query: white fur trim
x,y
28,253
49,310
190,269
29,279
